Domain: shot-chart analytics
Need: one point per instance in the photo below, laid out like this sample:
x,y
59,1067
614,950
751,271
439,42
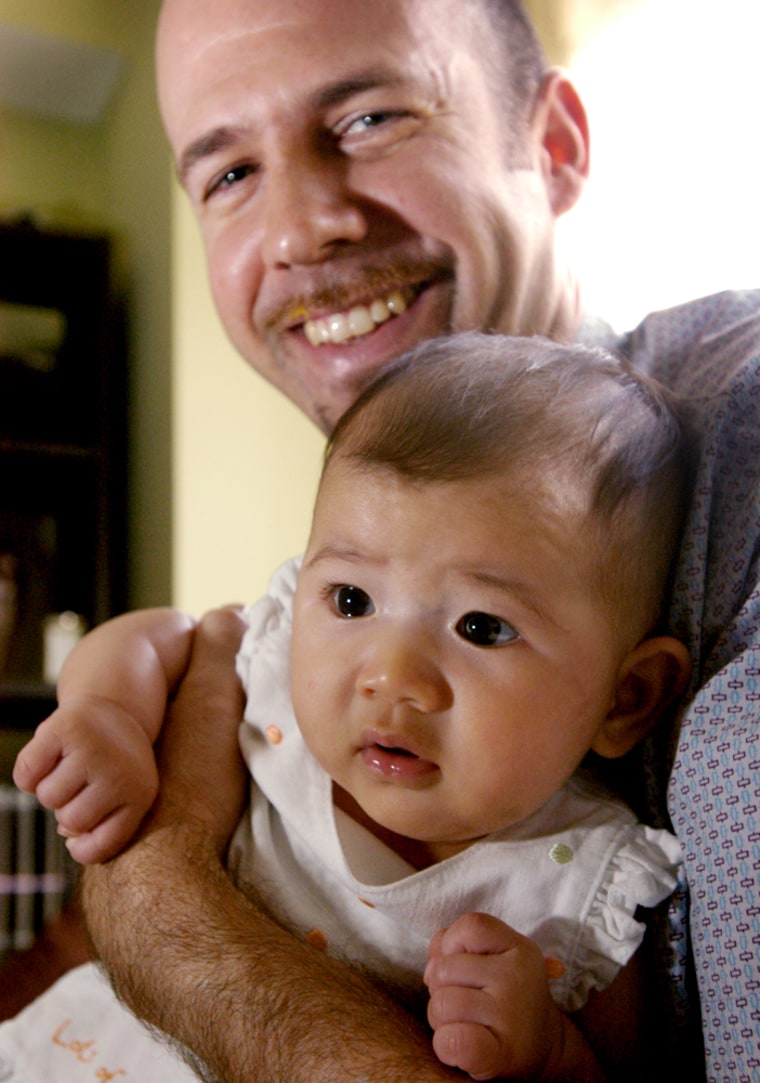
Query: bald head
x,y
363,180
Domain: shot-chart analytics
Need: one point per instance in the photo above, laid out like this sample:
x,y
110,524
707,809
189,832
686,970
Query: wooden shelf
x,y
63,450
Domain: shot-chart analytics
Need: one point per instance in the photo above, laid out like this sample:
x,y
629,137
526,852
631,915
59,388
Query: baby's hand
x,y
93,763
490,1005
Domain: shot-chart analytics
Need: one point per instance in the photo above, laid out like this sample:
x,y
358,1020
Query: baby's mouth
x,y
392,760
359,320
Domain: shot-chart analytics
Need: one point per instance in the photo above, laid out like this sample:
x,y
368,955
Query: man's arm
x,y
193,956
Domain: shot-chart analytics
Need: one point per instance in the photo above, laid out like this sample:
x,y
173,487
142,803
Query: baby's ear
x,y
652,678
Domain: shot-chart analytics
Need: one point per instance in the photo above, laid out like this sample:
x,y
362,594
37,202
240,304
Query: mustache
x,y
339,288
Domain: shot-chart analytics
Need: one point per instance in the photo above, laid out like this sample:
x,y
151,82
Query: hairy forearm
x,y
247,998
194,957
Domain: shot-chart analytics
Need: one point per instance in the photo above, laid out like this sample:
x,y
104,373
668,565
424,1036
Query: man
x,y
366,175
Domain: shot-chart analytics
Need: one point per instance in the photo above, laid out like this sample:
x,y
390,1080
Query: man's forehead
x,y
201,24
217,20
236,53
191,28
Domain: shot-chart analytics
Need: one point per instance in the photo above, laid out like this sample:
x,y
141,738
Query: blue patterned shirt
x,y
705,772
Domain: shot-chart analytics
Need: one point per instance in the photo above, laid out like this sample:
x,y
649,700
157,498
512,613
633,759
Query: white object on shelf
x,y
62,632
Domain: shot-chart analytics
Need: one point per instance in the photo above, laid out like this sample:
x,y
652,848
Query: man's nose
x,y
309,212
404,669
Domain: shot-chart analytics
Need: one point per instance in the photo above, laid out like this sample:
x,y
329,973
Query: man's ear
x,y
651,680
561,131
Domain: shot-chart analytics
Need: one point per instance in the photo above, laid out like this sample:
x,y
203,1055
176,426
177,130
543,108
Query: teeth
x,y
396,303
358,321
379,311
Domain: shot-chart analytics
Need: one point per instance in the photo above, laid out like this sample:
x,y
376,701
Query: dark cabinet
x,y
62,455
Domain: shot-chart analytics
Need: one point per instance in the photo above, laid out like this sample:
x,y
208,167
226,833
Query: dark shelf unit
x,y
62,449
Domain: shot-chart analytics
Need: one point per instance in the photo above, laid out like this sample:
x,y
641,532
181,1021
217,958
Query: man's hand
x,y
202,774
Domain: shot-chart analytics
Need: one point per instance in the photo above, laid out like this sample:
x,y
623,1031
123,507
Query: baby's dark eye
x,y
485,630
352,601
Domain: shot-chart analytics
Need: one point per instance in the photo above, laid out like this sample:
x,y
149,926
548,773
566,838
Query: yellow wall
x,y
223,468
246,461
114,176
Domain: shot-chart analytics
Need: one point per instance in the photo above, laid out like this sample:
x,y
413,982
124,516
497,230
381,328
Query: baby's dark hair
x,y
615,443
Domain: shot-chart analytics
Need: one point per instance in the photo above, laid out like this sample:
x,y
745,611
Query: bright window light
x,y
672,210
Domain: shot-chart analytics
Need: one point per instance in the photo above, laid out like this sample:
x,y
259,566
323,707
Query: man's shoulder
x,y
701,348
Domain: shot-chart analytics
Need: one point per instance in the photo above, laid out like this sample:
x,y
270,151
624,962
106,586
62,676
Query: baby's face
x,y
452,663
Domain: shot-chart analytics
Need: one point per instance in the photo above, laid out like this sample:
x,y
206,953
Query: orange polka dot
x,y
274,735
554,968
317,939
366,902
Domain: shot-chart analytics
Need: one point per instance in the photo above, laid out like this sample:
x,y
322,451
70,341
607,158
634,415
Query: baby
x,y
476,622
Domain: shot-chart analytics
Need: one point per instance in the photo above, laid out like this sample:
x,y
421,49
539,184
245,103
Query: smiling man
x,y
366,175
356,184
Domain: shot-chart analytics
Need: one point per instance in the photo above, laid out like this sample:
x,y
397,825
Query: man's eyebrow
x,y
333,94
342,89
208,144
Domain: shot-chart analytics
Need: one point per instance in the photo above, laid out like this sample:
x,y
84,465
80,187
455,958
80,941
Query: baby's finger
x,y
467,1036
37,759
434,947
470,970
462,1004
482,934
62,784
86,809
107,839
471,1047
106,797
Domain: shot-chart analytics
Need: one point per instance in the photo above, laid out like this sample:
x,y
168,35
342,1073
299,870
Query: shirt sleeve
x,y
641,872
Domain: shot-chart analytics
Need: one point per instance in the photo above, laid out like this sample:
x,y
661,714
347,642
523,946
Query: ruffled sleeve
x,y
268,621
640,873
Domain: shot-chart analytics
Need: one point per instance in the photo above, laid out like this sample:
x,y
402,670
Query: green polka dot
x,y
561,854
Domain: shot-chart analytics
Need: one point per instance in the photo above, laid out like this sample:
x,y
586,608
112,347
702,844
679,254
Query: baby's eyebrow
x,y
515,589
329,551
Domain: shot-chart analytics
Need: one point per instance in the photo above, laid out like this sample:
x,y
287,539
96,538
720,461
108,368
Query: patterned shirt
x,y
705,772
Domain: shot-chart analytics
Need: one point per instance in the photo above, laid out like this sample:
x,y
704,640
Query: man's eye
x,y
229,178
485,630
352,601
367,121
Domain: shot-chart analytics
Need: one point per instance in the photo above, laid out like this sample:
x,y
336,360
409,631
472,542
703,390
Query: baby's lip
x,y
382,739
393,757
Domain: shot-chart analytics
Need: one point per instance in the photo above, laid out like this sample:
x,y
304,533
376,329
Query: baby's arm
x,y
92,759
491,1009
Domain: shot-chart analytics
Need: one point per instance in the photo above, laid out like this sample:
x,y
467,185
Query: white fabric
x,y
77,1032
322,872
